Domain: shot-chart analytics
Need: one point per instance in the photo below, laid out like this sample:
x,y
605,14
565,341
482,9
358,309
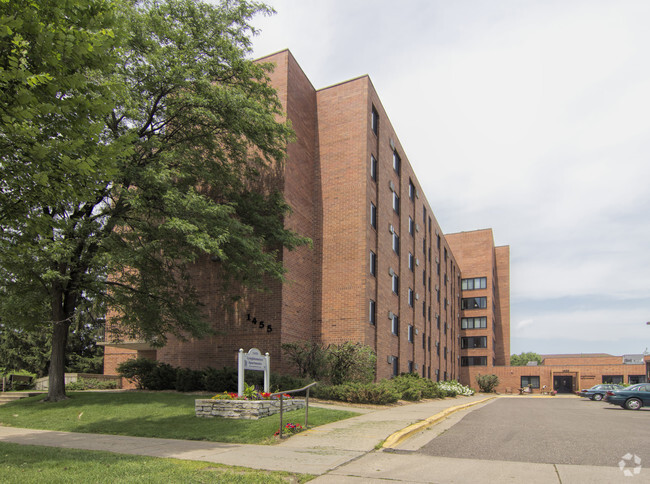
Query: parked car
x,y
597,392
631,398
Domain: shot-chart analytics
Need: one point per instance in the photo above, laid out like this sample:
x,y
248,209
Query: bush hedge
x,y
152,375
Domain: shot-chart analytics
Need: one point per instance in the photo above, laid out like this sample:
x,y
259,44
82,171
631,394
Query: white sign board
x,y
253,360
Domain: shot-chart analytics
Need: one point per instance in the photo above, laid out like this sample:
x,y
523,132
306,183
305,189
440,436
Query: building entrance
x,y
563,384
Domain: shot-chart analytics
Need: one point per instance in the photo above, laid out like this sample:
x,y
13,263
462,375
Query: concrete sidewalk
x,y
315,451
344,451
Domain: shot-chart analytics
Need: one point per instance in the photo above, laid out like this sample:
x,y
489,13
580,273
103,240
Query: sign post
x,y
253,360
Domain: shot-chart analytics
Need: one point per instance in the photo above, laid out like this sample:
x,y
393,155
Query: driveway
x,y
547,430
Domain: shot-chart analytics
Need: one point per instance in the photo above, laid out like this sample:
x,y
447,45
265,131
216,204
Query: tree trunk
x,y
56,390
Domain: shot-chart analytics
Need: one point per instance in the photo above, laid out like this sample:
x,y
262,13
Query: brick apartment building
x,y
380,272
485,300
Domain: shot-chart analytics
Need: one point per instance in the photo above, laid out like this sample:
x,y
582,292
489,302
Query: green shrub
x,y
487,383
91,384
376,393
163,377
218,381
189,380
309,358
351,362
281,383
137,370
148,374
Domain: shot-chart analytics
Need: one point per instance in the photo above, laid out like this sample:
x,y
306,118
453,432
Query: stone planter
x,y
244,409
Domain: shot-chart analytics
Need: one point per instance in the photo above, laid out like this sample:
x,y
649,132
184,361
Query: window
x,y
395,283
374,120
373,167
397,162
633,379
373,312
473,361
394,325
373,215
411,261
475,283
437,375
424,246
438,321
373,263
446,326
445,255
424,215
411,226
410,333
532,381
395,366
424,309
410,366
424,279
473,303
411,190
445,357
424,342
613,379
473,342
410,294
438,242
396,203
396,244
473,323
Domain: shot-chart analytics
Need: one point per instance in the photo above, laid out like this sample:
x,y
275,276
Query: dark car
x,y
597,392
631,398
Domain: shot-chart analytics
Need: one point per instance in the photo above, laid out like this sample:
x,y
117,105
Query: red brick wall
x,y
584,376
327,182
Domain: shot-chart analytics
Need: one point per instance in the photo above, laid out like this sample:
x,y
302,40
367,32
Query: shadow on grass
x,y
161,415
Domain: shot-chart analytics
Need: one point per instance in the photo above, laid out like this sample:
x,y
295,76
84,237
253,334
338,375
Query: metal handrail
x,y
306,402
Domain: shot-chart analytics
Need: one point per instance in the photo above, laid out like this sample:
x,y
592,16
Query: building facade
x,y
380,272
568,373
485,301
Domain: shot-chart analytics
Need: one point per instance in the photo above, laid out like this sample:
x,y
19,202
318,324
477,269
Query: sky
x,y
529,117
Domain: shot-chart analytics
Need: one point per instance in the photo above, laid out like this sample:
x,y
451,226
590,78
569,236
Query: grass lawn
x,y
140,414
26,464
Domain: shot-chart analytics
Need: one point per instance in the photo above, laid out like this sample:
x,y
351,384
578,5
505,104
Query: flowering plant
x,y
250,393
290,428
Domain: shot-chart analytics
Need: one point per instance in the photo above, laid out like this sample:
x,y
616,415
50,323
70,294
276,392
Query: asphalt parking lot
x,y
574,431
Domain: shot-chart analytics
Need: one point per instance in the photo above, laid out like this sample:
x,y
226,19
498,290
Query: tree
x,y
523,359
136,138
30,350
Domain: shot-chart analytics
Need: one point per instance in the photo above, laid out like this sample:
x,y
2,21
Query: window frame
x,y
394,325
373,215
532,380
478,303
397,162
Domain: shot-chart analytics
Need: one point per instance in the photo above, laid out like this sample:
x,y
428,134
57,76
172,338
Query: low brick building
x,y
568,373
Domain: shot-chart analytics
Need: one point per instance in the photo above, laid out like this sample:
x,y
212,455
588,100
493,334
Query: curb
x,y
401,435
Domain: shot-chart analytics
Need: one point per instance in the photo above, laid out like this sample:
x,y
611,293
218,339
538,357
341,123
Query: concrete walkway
x,y
341,452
